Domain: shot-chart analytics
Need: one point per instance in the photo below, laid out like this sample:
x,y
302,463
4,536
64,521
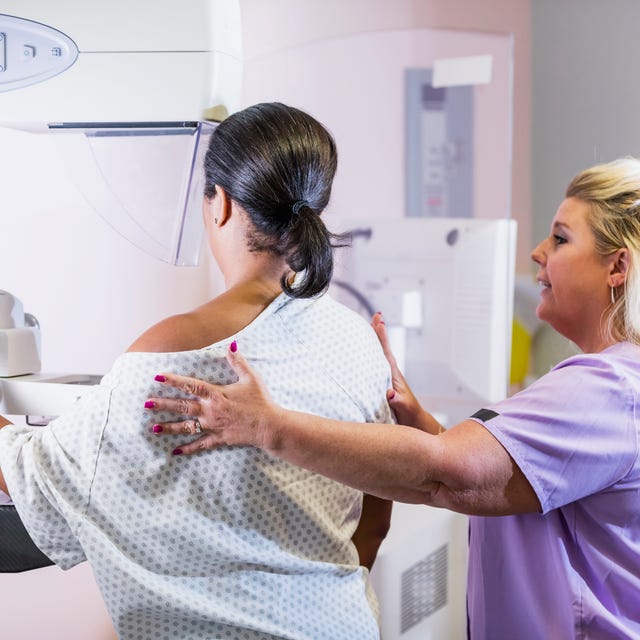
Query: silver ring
x,y
198,425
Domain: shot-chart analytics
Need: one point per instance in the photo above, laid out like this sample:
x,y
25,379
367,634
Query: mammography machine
x,y
97,86
127,94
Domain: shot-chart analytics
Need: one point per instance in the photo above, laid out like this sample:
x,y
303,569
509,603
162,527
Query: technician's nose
x,y
538,255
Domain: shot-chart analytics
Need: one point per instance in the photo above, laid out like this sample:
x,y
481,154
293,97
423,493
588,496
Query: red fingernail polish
x,y
157,428
149,404
160,378
177,452
392,395
233,346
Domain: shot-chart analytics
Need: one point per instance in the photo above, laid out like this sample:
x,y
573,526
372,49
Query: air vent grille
x,y
423,588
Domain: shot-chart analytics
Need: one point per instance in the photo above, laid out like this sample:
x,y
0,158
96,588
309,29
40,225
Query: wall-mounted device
x,y
439,147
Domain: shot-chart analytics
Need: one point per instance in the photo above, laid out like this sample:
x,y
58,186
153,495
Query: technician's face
x,y
573,276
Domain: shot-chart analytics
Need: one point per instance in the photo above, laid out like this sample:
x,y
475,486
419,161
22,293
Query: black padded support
x,y
17,550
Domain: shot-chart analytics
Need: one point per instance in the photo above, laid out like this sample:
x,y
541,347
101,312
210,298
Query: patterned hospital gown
x,y
230,543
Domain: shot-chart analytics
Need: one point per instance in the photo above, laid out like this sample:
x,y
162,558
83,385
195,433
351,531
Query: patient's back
x,y
201,546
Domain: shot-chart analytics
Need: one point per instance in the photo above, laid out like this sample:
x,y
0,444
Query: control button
x,y
31,52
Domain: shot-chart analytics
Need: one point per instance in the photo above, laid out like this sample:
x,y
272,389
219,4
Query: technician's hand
x,y
401,399
234,414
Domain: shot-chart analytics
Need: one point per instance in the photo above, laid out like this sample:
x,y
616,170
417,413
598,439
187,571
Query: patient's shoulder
x,y
181,332
215,320
196,329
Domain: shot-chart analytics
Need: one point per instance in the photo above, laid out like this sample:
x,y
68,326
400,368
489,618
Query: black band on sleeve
x,y
484,414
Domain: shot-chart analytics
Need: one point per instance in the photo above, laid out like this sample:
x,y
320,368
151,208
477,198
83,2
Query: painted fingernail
x,y
392,395
149,404
177,452
157,428
160,378
233,346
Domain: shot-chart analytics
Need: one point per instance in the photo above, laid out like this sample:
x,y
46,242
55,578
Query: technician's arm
x,y
464,469
3,485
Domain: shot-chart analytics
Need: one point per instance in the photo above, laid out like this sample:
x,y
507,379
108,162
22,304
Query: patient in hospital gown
x,y
229,544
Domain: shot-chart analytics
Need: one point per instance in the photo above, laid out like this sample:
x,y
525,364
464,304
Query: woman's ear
x,y
620,264
223,211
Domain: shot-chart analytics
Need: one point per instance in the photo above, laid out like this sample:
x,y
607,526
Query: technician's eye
x,y
558,239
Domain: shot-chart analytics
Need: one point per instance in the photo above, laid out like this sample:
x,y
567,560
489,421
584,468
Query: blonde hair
x,y
613,192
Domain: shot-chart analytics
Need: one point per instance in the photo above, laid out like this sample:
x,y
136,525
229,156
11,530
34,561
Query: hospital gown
x,y
230,543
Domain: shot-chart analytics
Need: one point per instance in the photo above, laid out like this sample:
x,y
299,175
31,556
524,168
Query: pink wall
x,y
502,16
355,85
272,27
51,604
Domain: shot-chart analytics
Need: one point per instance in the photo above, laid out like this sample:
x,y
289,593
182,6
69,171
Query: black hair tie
x,y
298,205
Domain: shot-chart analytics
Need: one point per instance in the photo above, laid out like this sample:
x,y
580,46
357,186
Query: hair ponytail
x,y
308,249
278,164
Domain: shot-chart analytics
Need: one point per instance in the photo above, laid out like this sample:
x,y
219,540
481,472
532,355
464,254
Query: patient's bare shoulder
x,y
171,334
215,320
186,331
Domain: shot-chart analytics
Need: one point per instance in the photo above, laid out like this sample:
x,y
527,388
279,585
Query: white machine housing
x,y
150,60
19,338
127,88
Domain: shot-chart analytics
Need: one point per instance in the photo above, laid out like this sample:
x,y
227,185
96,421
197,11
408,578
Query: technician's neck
x,y
595,345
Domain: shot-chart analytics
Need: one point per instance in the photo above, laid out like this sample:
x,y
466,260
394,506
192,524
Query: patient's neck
x,y
257,273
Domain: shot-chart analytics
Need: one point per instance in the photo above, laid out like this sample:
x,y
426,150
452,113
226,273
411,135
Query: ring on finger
x,y
198,426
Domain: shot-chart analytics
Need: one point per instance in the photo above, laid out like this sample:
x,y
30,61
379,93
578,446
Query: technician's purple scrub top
x,y
572,571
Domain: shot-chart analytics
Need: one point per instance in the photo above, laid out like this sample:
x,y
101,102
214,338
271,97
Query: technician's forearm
x,y
389,461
